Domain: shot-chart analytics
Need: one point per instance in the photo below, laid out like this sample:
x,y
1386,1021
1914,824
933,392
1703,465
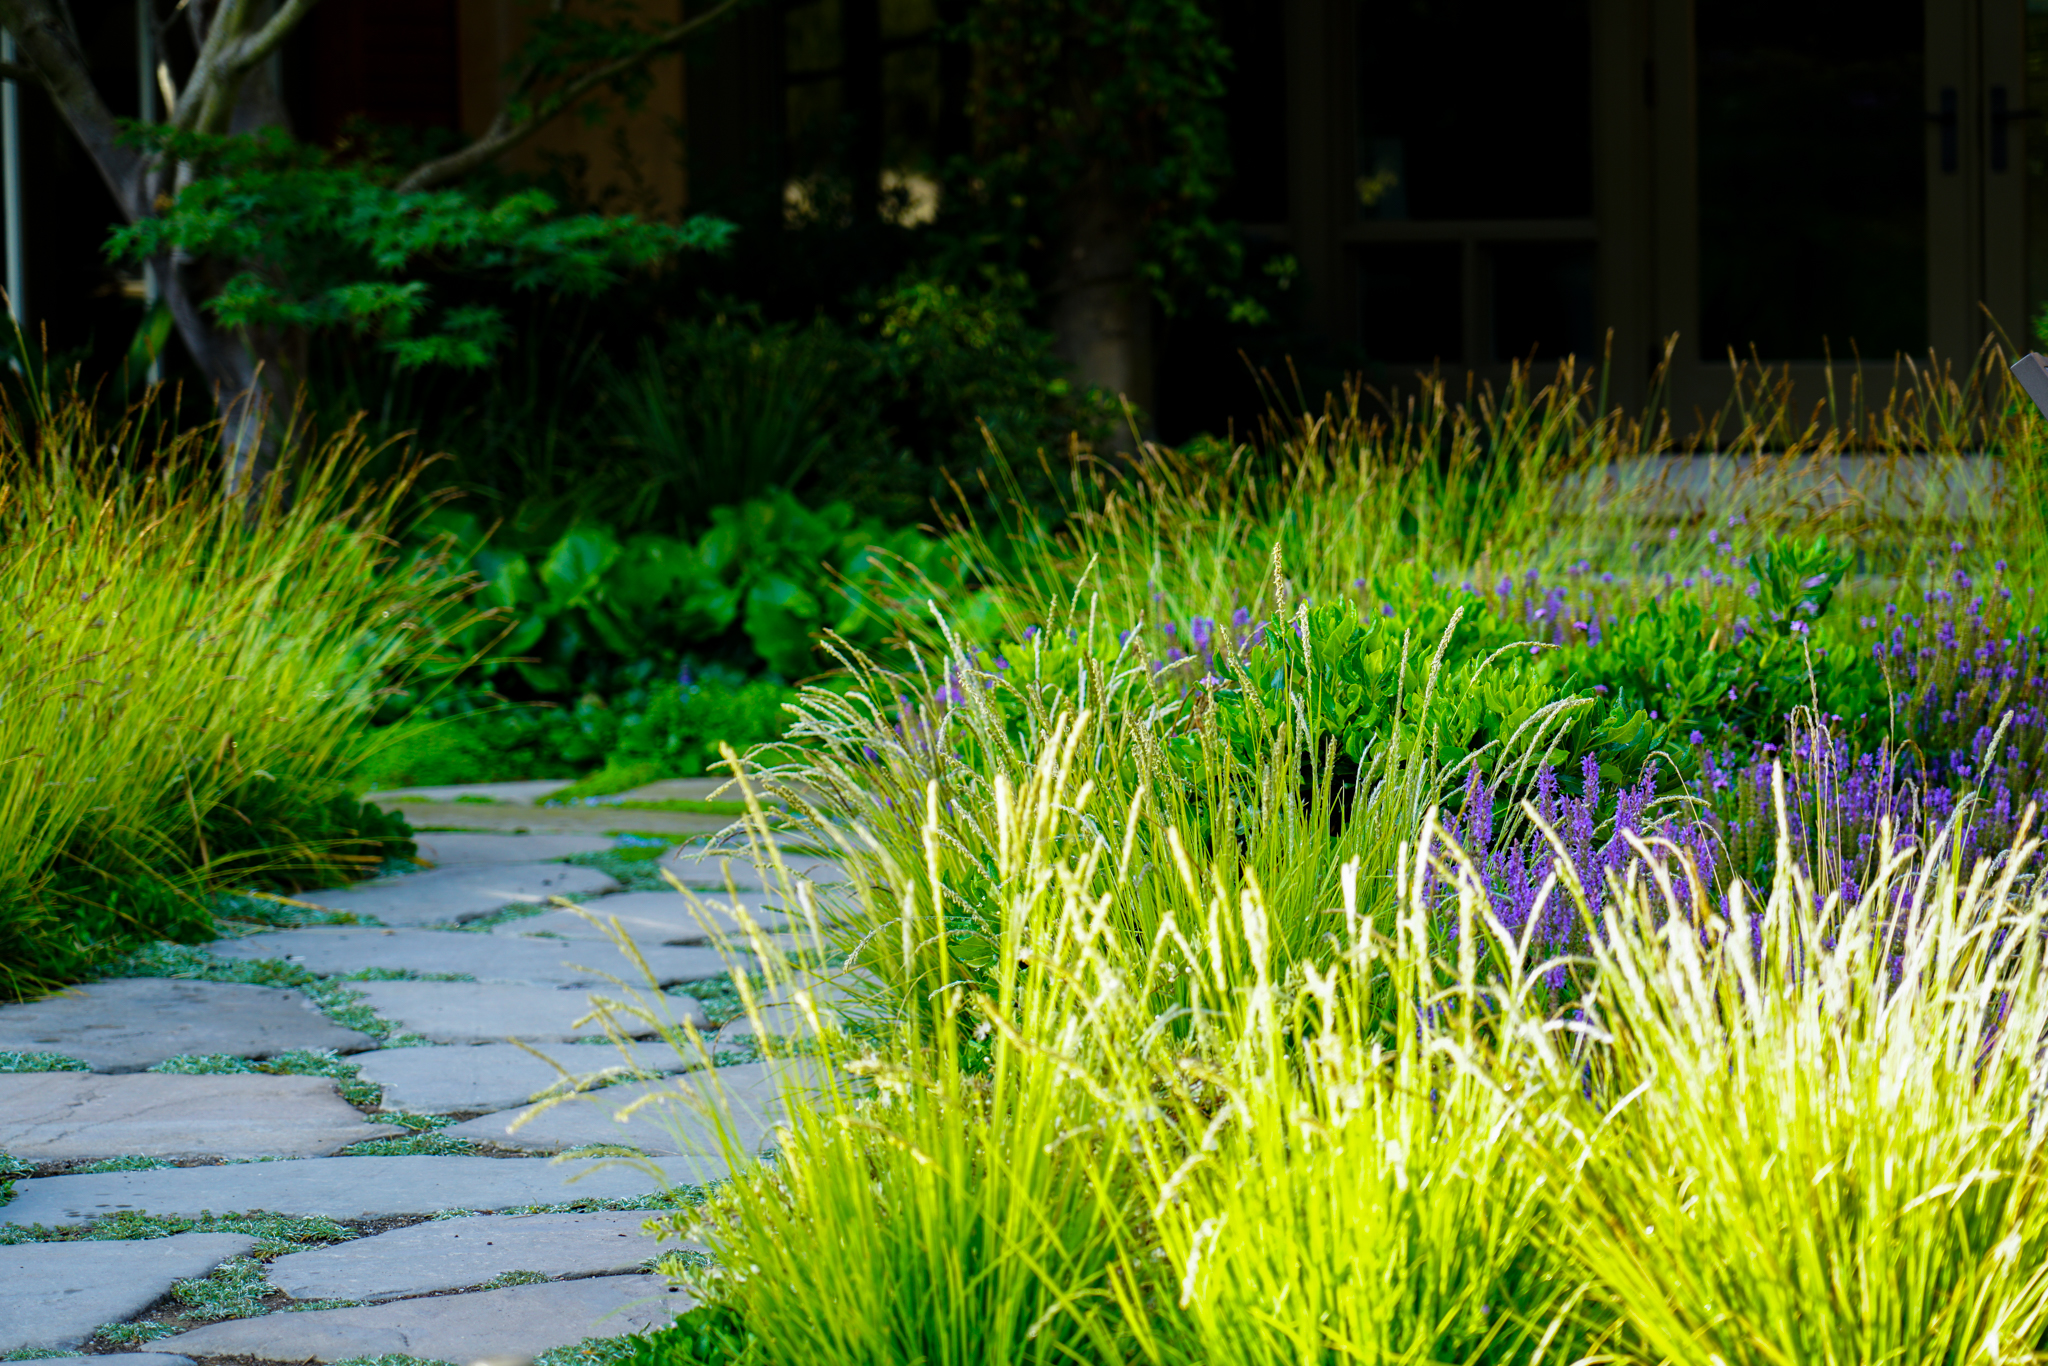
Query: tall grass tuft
x,y
1126,1086
185,678
1540,473
1812,1130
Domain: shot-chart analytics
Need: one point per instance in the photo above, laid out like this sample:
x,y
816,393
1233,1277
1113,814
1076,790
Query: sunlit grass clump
x,y
186,678
1789,1129
1426,889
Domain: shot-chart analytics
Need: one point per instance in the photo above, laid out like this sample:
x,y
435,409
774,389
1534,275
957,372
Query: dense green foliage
x,y
760,584
313,242
1089,110
669,729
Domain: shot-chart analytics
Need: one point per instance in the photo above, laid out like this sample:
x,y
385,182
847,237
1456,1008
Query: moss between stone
x,y
11,1061
275,1234
298,1062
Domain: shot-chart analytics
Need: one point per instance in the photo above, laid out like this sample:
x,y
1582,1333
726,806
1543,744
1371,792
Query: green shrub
x,y
12,1169
672,730
707,1335
188,680
589,602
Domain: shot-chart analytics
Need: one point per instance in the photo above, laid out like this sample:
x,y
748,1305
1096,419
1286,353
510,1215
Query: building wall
x,y
628,162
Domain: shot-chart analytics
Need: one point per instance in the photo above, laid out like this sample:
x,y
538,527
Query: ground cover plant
x,y
663,728
188,678
1384,947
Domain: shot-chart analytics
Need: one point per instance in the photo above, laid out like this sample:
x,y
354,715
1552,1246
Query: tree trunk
x,y
252,378
1101,309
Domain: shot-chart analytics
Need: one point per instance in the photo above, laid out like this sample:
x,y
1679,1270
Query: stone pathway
x,y
351,1166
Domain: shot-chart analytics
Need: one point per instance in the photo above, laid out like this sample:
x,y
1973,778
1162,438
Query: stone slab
x,y
682,1121
128,1359
448,1254
461,849
519,1321
434,818
131,1023
696,866
518,794
719,789
67,1116
489,1076
331,949
53,1295
489,1012
781,1015
656,917
684,790
337,1187
461,893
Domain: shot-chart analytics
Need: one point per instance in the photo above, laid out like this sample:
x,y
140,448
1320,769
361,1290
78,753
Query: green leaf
x,y
509,581
650,570
576,564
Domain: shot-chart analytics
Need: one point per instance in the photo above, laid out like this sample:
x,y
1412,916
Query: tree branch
x,y
199,91
226,56
53,58
505,134
271,36
15,71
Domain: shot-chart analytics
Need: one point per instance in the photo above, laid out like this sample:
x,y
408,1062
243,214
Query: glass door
x,y
1845,185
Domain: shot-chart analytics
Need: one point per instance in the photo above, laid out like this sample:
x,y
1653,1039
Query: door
x,y
1790,180
1835,185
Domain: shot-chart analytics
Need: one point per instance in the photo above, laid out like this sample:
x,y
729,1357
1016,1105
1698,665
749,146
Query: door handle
x,y
1950,120
2003,116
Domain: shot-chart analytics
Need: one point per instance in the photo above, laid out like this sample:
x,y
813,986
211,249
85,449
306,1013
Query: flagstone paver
x,y
333,949
336,1187
465,1078
461,893
656,917
449,1254
128,1359
513,794
780,1014
434,818
696,866
53,1295
538,974
490,1012
65,1116
519,1321
461,848
128,1024
683,1122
